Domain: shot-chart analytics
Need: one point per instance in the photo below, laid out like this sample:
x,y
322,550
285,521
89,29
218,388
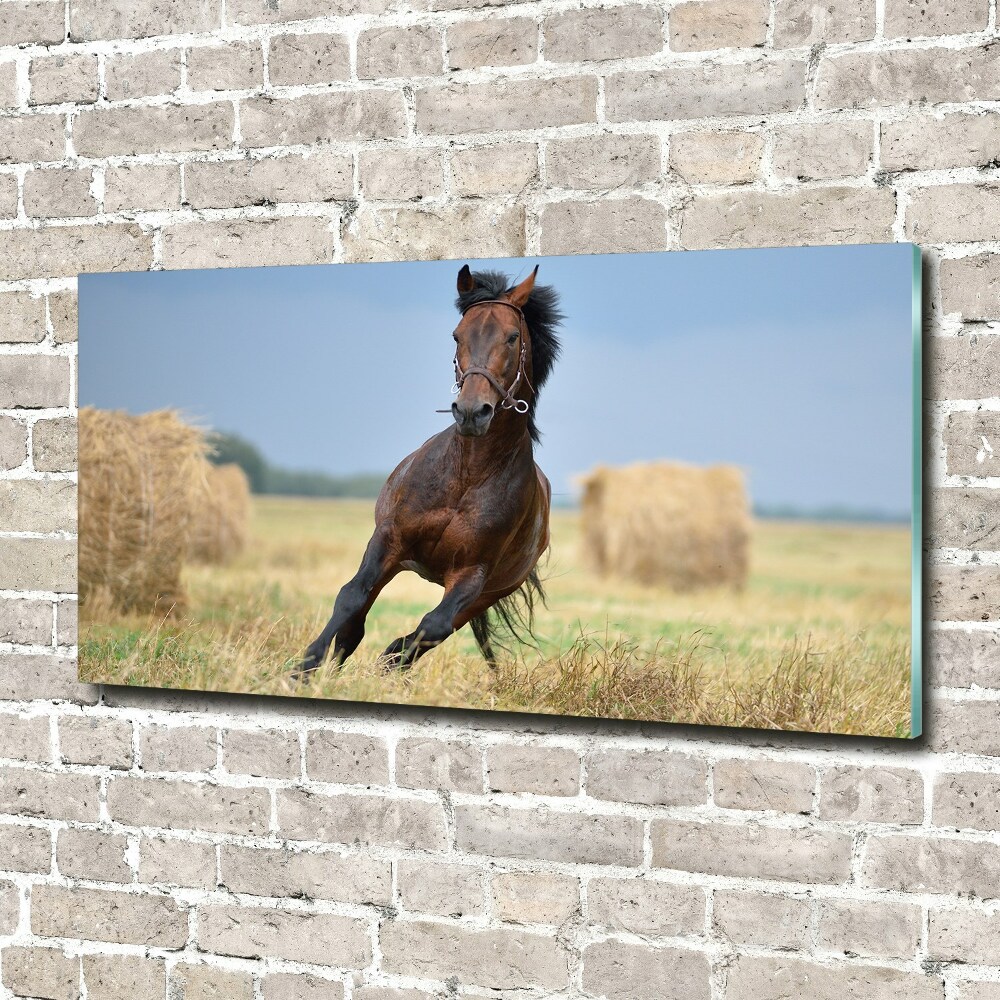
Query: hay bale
x,y
667,524
141,478
223,519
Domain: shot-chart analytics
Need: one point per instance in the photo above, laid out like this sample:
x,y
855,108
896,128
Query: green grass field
x,y
819,639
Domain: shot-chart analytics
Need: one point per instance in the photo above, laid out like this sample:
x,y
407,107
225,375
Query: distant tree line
x,y
833,512
267,478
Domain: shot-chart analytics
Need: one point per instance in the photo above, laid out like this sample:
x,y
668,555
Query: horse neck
x,y
507,442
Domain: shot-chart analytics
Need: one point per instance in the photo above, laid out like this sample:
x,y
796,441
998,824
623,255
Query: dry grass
x,y
667,523
818,640
141,479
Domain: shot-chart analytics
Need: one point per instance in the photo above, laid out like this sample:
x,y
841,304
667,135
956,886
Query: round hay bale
x,y
667,524
222,521
141,479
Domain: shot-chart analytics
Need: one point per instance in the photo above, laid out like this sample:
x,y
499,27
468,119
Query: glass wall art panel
x,y
673,487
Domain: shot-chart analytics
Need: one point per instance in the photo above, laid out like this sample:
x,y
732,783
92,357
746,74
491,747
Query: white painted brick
x,y
716,157
142,74
355,114
934,142
698,25
822,152
643,906
466,230
167,129
41,972
267,753
603,161
63,79
28,622
63,317
22,318
172,861
31,138
309,59
508,41
137,187
8,196
813,215
59,194
414,50
225,67
811,22
348,877
535,898
93,19
626,225
873,929
539,770
320,177
33,21
596,34
622,970
93,854
8,85
90,739
293,935
766,978
248,243
484,170
477,957
770,920
506,104
901,76
442,889
920,18
192,982
682,92
401,174
302,986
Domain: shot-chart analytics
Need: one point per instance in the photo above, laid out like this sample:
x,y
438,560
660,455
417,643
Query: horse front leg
x,y
461,592
346,627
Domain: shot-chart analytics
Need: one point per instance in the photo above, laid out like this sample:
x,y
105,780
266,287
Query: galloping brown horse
x,y
469,509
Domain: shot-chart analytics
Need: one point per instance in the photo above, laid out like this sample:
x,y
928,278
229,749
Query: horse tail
x,y
512,616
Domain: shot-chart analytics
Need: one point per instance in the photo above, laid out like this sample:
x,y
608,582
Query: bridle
x,y
507,399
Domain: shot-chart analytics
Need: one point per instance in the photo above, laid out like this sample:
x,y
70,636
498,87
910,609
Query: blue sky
x,y
793,363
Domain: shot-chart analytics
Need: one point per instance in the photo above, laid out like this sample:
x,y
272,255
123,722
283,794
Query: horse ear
x,y
465,280
519,295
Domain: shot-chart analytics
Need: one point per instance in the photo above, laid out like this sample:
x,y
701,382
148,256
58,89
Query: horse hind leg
x,y
461,592
346,627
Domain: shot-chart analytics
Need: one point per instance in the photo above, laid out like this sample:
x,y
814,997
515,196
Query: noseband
x,y
507,398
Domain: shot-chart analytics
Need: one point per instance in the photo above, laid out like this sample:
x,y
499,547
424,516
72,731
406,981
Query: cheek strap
x,y
507,398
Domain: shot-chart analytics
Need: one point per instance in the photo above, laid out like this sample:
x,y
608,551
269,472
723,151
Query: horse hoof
x,y
302,673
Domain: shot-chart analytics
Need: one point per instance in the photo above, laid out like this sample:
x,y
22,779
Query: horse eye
x,y
512,339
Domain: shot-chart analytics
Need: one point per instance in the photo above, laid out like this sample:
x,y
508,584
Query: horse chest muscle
x,y
446,517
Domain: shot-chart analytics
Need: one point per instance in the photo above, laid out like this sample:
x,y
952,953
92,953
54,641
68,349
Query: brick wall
x,y
180,846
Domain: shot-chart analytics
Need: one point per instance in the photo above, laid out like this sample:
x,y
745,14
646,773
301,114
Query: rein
x,y
507,398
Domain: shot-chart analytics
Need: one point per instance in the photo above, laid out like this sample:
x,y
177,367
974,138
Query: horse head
x,y
492,356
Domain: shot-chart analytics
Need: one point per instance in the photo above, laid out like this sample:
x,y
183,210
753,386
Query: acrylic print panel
x,y
730,440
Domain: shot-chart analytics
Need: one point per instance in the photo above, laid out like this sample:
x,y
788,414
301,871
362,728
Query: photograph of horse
x,y
670,487
469,510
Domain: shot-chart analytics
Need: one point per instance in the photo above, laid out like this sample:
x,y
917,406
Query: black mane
x,y
541,313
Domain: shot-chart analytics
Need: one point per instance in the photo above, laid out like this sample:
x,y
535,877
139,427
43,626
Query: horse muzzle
x,y
473,419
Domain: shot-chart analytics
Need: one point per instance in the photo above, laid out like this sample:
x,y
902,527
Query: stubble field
x,y
819,639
